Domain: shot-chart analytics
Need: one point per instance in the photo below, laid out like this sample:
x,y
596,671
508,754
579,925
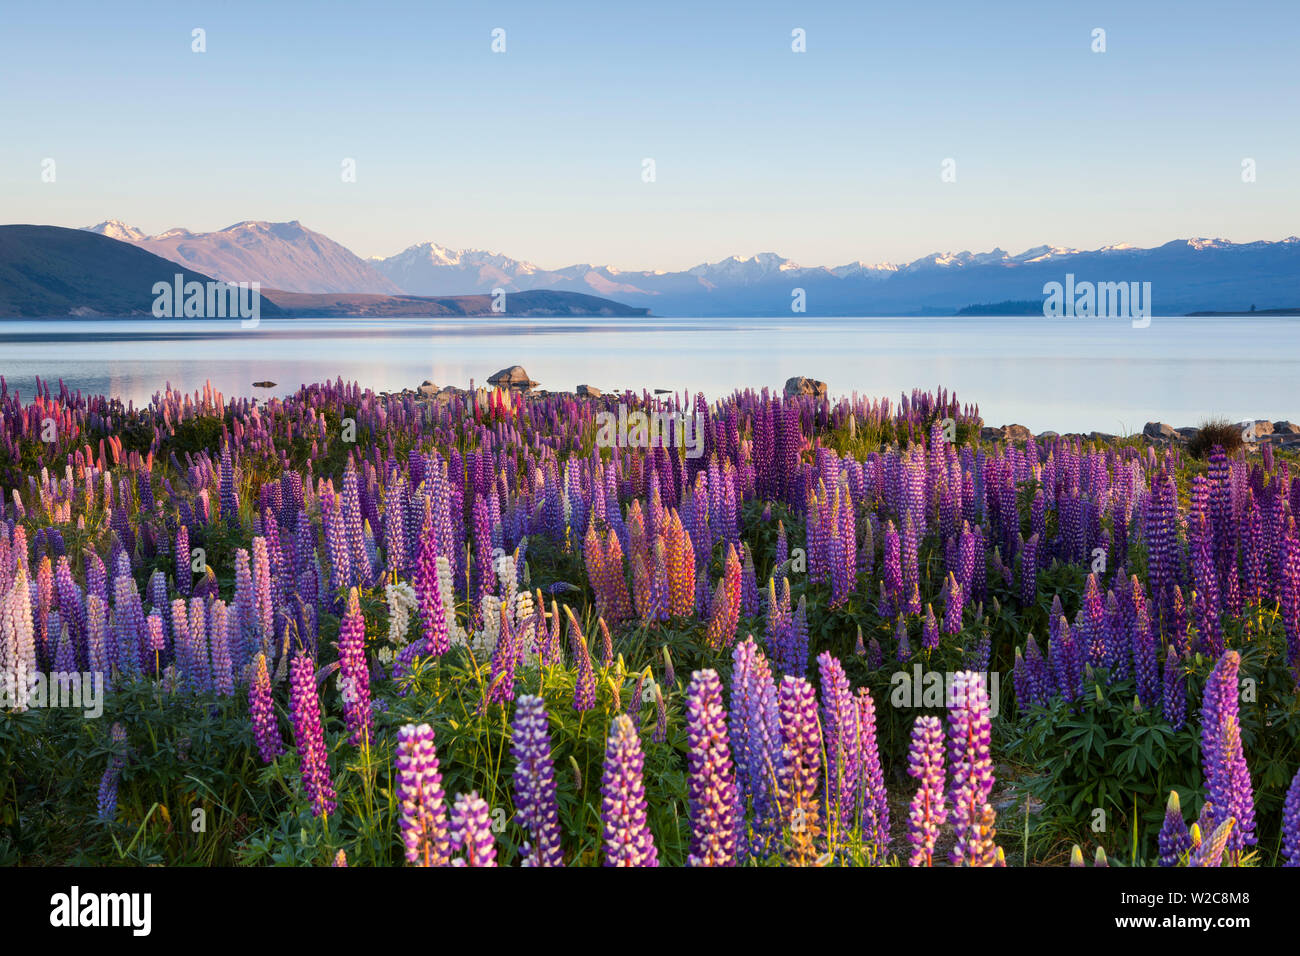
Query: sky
x,y
827,156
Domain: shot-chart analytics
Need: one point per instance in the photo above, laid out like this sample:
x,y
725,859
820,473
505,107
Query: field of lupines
x,y
352,629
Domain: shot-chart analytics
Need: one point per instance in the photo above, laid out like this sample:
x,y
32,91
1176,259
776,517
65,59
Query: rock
x,y
1288,428
512,377
1188,433
1160,430
428,389
1101,436
663,391
800,385
587,391
264,385
1015,433
1046,436
990,434
1261,428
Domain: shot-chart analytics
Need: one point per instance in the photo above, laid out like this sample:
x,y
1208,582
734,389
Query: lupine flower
x,y
584,686
1209,852
354,676
1174,693
874,799
309,736
261,710
626,836
534,783
928,810
1227,778
107,803
471,830
840,725
1174,839
713,795
1291,823
972,771
420,797
755,736
801,750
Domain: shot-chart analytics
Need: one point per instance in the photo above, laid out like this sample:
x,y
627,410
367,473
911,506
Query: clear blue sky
x,y
826,156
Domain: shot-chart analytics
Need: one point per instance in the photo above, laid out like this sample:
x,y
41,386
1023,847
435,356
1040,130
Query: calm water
x,y
1062,374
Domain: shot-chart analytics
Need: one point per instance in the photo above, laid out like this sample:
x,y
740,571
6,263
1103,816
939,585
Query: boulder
x,y
801,385
264,385
428,389
1046,436
1187,433
1261,428
1286,428
512,377
1015,433
587,391
1160,430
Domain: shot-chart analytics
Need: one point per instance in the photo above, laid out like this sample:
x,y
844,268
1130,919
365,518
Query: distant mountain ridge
x,y
1186,274
280,255
53,272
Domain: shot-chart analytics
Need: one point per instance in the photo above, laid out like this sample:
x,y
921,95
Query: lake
x,y
1061,374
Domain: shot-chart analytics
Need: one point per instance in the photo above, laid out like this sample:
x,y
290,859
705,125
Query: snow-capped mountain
x,y
280,255
1186,274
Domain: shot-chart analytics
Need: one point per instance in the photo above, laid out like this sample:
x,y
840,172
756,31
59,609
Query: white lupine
x,y
484,642
401,602
17,637
525,626
446,591
506,575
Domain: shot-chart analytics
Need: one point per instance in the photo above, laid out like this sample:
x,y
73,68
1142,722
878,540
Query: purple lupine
x,y
1174,690
713,795
223,678
420,797
501,686
840,725
972,772
584,684
1227,778
928,810
108,784
954,604
354,675
1291,823
1209,851
534,783
1174,839
755,737
309,735
471,830
929,631
1029,571
432,611
261,710
874,799
801,754
625,834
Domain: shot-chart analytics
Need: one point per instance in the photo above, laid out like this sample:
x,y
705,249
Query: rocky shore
x,y
515,379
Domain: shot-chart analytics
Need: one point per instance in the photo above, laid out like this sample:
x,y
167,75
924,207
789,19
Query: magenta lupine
x,y
972,771
626,836
354,675
421,800
1227,778
840,725
501,682
713,795
432,611
223,677
873,799
928,810
309,735
1174,839
534,783
261,710
471,831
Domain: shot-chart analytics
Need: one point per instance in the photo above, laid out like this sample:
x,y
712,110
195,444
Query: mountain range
x,y
1185,274
49,271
